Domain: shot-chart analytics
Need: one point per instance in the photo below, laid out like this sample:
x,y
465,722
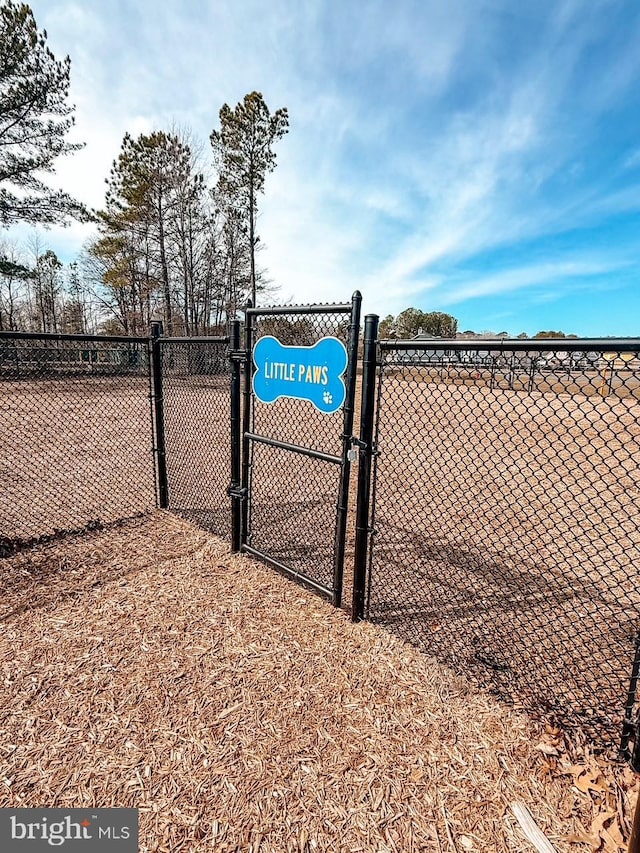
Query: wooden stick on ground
x,y
531,831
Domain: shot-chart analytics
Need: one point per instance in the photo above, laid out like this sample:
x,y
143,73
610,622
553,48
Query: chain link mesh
x,y
506,525
293,498
196,393
293,510
75,435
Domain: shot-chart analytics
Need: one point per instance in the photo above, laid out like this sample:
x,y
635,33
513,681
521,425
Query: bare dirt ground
x,y
508,539
76,452
145,666
72,452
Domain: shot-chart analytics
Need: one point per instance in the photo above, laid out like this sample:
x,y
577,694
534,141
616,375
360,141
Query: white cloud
x,y
553,273
421,139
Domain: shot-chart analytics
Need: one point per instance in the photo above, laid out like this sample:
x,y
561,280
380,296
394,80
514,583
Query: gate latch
x,y
356,444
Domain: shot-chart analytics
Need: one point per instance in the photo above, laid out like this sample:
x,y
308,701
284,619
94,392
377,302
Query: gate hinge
x,y
237,354
236,491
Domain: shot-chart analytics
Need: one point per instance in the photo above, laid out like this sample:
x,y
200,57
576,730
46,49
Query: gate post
x,y
364,465
246,419
158,408
347,438
236,438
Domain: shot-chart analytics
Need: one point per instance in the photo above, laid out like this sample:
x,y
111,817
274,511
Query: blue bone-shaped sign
x,y
303,373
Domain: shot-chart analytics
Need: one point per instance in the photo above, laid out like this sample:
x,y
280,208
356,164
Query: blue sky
x,y
480,157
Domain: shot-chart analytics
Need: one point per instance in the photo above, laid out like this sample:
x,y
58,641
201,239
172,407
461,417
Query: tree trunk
x,y
165,270
252,229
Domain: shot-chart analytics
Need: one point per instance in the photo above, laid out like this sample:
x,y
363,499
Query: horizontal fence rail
x,y
75,426
61,336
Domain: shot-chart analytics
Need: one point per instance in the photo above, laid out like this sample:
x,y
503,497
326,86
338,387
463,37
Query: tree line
x,y
412,322
177,236
38,293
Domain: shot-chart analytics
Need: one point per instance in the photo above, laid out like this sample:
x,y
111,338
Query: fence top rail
x,y
53,336
202,339
299,309
543,345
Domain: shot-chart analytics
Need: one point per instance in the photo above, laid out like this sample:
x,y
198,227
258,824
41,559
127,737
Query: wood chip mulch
x,y
145,666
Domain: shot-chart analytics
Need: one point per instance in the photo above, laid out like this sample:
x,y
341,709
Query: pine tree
x,y
244,149
48,285
13,276
144,192
35,118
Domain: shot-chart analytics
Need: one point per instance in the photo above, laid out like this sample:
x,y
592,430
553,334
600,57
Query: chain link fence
x,y
506,518
504,535
75,434
196,377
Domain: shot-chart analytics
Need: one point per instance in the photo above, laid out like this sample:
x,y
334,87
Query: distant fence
x,y
39,356
75,433
504,535
580,371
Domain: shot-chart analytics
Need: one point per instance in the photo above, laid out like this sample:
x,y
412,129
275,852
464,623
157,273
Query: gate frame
x,y
243,493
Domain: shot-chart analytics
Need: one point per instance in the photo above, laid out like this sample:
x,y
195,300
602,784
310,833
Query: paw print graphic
x,y
328,398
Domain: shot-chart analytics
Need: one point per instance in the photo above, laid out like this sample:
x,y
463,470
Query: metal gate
x,y
291,484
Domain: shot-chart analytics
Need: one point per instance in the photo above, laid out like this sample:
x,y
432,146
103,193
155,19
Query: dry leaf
x,y
586,778
597,830
579,838
546,748
591,780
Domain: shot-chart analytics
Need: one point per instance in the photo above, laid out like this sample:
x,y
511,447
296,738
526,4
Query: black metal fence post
x,y
364,467
532,374
236,438
246,421
347,436
630,724
158,407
